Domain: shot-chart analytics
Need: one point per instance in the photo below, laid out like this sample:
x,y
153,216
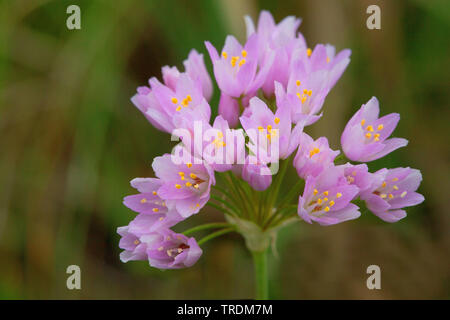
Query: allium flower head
x,y
134,248
392,190
326,199
313,156
365,137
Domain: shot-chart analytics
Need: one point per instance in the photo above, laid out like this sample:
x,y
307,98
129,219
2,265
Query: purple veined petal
x,y
232,47
164,168
370,110
145,185
249,25
189,206
196,69
350,212
146,223
225,80
375,203
159,120
412,181
170,76
266,25
391,216
318,59
174,189
338,69
301,210
279,72
389,146
194,253
262,73
145,203
408,200
246,74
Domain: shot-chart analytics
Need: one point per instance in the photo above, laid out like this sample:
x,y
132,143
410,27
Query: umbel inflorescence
x,y
271,89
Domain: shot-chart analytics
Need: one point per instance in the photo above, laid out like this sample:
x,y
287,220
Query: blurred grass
x,y
71,140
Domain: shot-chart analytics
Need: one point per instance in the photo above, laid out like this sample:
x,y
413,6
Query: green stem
x,y
261,275
206,226
214,235
220,208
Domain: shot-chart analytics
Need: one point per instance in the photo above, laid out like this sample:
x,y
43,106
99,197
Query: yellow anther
x,y
390,196
260,128
181,173
219,134
383,185
369,128
197,205
325,193
380,127
224,54
328,59
395,179
331,203
242,62
325,199
354,173
163,204
169,253
174,100
338,195
403,194
193,176
309,92
161,219
298,83
363,121
188,184
185,102
154,193
368,135
319,201
269,128
303,99
308,52
189,97
155,209
276,120
383,195
180,250
178,108
395,188
233,60
244,53
196,186
305,91
313,152
178,186
376,136
315,191
188,164
269,136
136,242
182,178
326,209
160,249
143,200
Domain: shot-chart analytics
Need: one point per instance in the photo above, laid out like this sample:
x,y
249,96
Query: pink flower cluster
x,y
276,85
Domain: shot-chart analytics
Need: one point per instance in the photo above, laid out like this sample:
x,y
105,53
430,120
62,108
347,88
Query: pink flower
x,y
365,137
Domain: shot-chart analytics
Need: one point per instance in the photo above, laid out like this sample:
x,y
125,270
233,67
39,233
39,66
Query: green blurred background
x,y
70,141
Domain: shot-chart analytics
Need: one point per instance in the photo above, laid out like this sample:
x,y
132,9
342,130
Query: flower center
x,y
184,102
371,135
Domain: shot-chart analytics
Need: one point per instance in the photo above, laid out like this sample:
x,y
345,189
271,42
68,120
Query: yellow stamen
x,y
308,52
368,135
136,242
178,186
178,108
276,120
193,176
196,186
325,199
383,185
161,219
390,196
174,100
269,128
224,54
331,203
403,194
327,209
189,164
155,209
154,193
369,128
298,83
244,53
380,127
309,92
313,152
189,97
328,59
305,91
325,193
242,62
383,196
260,128
143,200
395,188
197,205
188,184
315,191
160,249
363,121
181,173
338,195
319,201
395,179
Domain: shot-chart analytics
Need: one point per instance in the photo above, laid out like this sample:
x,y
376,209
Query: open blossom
x,y
187,185
365,137
170,250
313,156
326,199
279,38
358,175
162,105
392,190
134,248
270,131
236,70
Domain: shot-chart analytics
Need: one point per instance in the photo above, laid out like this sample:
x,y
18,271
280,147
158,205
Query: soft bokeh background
x,y
70,141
